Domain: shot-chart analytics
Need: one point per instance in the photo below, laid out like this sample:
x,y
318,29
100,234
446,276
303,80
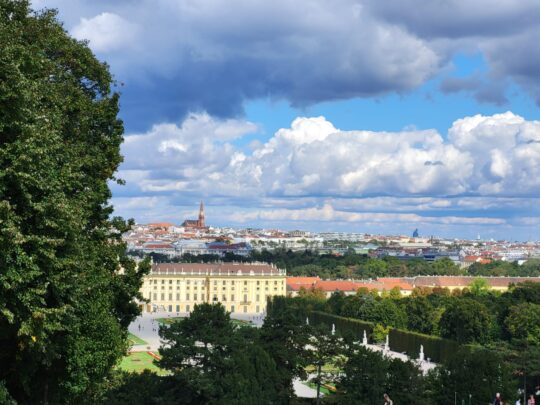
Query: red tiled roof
x,y
295,283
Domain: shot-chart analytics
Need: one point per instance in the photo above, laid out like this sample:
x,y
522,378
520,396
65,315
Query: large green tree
x,y
219,362
66,286
466,321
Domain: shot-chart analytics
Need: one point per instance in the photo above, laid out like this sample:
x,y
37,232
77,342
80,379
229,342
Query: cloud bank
x,y
312,171
177,57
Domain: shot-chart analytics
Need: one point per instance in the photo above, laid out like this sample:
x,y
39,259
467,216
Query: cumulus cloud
x,y
106,32
486,169
484,155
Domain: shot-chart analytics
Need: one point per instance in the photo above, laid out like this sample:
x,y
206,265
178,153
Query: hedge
x,y
437,349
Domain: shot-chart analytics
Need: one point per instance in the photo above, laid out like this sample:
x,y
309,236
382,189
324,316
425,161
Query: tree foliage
x,y
64,303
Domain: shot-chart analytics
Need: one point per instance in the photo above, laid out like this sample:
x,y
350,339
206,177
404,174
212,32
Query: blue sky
x,y
366,116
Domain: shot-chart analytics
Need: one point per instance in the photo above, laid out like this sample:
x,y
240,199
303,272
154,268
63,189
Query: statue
x,y
307,321
421,355
333,329
364,339
387,344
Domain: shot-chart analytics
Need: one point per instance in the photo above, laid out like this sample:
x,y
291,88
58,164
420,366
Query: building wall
x,y
181,292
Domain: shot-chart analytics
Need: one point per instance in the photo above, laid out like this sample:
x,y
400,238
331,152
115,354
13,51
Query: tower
x,y
201,216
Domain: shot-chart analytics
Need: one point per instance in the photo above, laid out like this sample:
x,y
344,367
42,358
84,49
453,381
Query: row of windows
x,y
232,308
196,297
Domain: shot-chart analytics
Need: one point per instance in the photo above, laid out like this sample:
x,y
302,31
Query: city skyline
x,y
278,116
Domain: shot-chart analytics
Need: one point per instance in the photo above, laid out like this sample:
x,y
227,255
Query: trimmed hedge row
x,y
437,349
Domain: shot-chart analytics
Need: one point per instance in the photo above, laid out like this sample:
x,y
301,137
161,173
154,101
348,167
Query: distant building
x,y
239,287
196,224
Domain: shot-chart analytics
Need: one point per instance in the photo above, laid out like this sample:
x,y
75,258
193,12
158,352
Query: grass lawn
x,y
168,321
324,390
137,362
238,322
135,340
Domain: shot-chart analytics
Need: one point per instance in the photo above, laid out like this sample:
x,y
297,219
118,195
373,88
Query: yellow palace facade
x,y
239,287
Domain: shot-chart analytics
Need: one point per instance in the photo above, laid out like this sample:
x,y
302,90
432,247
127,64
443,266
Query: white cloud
x,y
490,156
106,32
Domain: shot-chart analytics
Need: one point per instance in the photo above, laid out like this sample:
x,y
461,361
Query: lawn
x,y
137,362
168,321
238,322
135,340
324,390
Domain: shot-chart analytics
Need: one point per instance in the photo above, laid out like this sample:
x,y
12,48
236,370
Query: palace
x,y
239,287
196,223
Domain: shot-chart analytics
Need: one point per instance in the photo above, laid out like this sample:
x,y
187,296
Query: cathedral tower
x,y
201,216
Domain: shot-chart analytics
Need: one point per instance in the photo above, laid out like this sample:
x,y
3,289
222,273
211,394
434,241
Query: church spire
x,y
201,215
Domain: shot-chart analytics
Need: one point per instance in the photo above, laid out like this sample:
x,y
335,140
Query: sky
x,y
359,116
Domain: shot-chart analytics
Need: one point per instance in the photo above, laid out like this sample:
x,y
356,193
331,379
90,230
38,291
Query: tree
x,y
466,321
523,323
479,373
284,336
218,362
364,377
66,284
324,347
479,286
405,383
420,314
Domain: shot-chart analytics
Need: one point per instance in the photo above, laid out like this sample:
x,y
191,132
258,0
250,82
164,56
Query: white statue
x,y
421,355
333,329
387,344
364,339
307,320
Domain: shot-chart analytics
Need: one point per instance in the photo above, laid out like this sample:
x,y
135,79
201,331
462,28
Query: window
x,y
170,297
155,296
187,308
232,308
258,282
170,308
258,299
224,282
162,296
245,310
177,282
177,296
187,282
162,281
170,281
257,310
245,297
214,298
215,282
178,308
195,297
155,287
245,282
266,282
232,297
224,298
187,296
